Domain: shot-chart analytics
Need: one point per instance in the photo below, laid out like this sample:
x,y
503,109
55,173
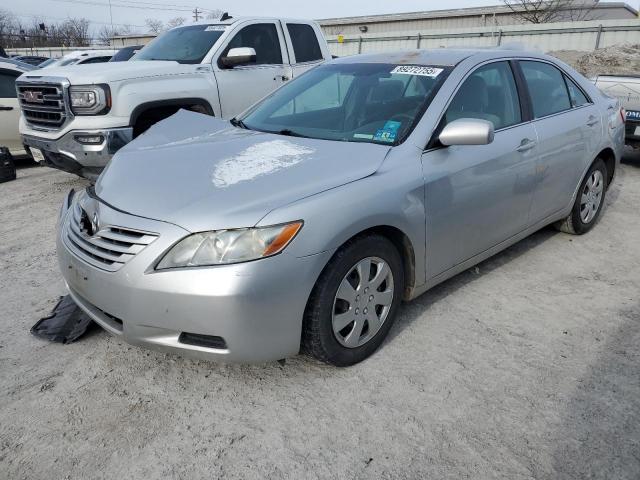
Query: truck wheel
x,y
589,201
354,302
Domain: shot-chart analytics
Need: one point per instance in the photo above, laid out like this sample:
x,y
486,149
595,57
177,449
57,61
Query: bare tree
x,y
176,22
154,25
214,14
548,11
9,28
106,33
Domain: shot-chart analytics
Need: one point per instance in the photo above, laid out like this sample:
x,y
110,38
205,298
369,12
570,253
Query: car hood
x,y
200,173
113,71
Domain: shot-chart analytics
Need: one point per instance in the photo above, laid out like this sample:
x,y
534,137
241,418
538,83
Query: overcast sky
x,y
134,12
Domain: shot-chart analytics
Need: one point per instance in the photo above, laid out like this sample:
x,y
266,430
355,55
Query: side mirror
x,y
239,56
467,131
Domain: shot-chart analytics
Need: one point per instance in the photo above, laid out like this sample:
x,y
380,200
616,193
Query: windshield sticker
x,y
215,28
388,133
364,136
417,70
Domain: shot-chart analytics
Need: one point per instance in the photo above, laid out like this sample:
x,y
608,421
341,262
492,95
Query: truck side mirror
x,y
239,56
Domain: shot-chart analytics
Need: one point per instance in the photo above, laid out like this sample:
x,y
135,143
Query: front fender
x,y
391,197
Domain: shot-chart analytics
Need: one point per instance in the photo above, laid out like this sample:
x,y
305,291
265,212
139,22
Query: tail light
x,y
623,114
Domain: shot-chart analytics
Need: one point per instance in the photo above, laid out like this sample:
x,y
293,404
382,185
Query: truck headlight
x,y
229,246
90,99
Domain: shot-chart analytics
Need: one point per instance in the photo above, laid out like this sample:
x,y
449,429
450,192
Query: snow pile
x,y
618,59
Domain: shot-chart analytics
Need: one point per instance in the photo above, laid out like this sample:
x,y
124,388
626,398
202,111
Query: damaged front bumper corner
x,y
83,152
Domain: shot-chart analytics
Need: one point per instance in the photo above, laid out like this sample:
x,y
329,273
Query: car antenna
x,y
225,16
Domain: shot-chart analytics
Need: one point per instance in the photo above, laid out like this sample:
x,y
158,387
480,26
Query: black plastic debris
x,y
7,167
66,323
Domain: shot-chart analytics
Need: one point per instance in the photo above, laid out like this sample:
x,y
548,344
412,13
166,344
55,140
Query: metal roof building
x,y
465,18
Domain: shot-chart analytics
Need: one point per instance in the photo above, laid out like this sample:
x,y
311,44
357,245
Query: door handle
x,y
592,121
526,145
3,108
284,78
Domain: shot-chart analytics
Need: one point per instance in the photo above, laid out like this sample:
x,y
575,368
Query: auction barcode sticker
x,y
417,70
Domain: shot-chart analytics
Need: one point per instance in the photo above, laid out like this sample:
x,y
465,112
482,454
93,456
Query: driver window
x,y
489,93
263,38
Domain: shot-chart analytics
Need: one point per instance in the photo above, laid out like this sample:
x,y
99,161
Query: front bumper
x,y
67,153
255,308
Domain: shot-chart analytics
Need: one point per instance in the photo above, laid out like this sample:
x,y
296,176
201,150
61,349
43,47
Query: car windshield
x,y
359,102
183,45
48,62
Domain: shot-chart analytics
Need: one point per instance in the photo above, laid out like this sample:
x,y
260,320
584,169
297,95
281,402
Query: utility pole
x,y
196,14
111,15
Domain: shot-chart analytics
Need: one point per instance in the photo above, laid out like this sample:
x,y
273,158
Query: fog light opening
x,y
207,341
89,139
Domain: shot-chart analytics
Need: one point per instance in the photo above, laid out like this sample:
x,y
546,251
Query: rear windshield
x,y
183,45
359,102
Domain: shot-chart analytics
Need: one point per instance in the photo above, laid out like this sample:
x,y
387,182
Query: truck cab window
x,y
263,38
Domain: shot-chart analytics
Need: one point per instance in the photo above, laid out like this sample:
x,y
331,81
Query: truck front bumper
x,y
83,152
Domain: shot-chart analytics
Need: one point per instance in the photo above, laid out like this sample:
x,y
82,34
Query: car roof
x,y
439,56
15,64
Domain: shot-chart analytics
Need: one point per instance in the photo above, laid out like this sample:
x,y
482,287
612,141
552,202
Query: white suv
x,y
76,118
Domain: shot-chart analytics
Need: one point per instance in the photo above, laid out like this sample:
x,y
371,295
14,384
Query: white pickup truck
x,y
76,118
625,88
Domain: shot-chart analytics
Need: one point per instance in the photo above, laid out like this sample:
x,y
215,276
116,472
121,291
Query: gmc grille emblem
x,y
33,97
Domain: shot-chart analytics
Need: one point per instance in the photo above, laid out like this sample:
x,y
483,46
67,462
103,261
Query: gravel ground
x,y
526,367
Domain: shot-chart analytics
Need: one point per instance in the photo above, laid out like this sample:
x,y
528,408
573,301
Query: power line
x,y
41,17
140,7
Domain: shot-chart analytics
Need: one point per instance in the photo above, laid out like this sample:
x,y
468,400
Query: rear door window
x,y
8,84
305,43
547,88
489,93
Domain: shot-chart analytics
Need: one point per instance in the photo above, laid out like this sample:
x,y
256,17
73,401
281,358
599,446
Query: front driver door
x,y
241,86
9,112
477,196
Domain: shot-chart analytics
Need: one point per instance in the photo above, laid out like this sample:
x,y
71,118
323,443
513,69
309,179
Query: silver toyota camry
x,y
303,224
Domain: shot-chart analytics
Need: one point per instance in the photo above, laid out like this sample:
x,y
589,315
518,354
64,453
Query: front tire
x,y
354,302
589,201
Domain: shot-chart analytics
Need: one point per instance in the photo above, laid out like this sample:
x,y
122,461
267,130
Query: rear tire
x,y
354,302
589,201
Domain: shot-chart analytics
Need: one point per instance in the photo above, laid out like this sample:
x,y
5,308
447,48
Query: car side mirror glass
x,y
467,131
239,56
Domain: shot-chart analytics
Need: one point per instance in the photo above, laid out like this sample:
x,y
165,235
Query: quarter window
x,y
263,38
546,87
489,93
305,43
575,94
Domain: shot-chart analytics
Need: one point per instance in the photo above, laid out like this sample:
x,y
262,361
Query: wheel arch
x,y
146,107
609,158
403,244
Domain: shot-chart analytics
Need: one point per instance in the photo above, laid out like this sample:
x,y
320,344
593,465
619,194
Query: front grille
x,y
110,248
42,104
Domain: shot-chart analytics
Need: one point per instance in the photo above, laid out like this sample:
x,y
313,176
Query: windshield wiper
x,y
290,133
236,122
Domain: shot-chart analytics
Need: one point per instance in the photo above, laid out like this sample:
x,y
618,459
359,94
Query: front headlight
x,y
229,246
90,99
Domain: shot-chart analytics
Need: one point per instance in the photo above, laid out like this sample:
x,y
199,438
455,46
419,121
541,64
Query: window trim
x,y
568,79
564,76
432,143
